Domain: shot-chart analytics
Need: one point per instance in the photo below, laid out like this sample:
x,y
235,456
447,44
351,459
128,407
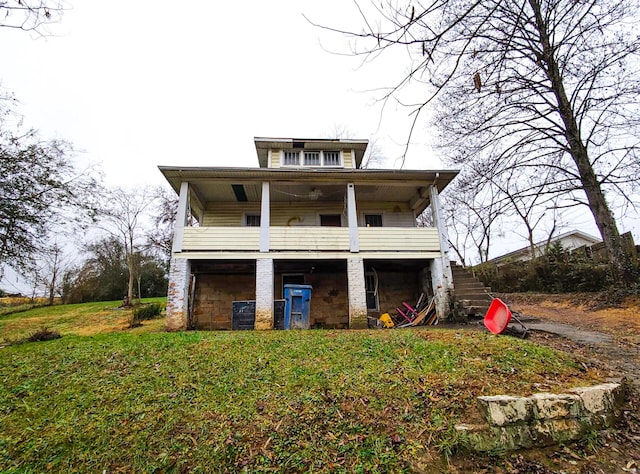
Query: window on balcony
x,y
331,220
252,220
373,220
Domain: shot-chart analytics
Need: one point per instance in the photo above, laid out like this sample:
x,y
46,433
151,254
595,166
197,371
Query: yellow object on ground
x,y
386,320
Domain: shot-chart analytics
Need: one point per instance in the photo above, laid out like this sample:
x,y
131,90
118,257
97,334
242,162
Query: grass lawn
x,y
84,319
339,401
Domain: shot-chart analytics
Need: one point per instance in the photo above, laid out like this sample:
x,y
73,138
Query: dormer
x,y
310,153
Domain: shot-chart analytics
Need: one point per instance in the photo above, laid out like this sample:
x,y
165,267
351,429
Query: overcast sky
x,y
139,84
145,83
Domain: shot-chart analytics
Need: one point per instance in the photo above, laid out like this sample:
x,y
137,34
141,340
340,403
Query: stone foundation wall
x,y
329,300
544,418
214,294
394,288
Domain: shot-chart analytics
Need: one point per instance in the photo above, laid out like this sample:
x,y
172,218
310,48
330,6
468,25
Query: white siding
x,y
348,159
275,158
399,239
309,238
221,238
228,213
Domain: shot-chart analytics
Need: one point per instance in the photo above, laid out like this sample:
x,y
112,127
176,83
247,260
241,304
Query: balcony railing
x,y
298,238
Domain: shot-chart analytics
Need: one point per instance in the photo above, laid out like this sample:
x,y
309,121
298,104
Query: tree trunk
x,y
597,203
51,294
131,277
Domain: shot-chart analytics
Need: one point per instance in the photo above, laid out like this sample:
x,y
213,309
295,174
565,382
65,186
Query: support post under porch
x,y
441,275
178,294
264,294
357,294
182,217
440,290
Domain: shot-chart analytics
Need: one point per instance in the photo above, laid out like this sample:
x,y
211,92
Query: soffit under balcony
x,y
245,185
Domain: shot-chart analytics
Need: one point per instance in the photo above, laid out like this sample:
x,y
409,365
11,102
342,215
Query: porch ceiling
x,y
217,184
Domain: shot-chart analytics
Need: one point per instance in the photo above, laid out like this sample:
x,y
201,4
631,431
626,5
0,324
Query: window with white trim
x,y
291,158
332,158
317,158
311,158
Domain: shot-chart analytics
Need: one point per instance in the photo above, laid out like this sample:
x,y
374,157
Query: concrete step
x,y
471,291
474,300
478,298
464,276
468,284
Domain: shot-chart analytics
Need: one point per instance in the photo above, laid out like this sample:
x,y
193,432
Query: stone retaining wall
x,y
544,418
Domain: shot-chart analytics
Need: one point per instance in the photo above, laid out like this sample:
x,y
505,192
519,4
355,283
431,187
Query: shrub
x,y
149,311
559,271
44,334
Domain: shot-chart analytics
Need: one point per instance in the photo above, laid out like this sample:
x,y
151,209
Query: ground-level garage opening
x,y
346,292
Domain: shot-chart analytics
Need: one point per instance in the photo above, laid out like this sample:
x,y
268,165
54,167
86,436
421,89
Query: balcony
x,y
311,239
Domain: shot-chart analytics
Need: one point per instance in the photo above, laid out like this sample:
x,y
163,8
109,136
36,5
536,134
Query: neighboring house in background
x,y
569,241
308,215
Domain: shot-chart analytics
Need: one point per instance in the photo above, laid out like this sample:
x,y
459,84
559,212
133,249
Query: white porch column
x,y
357,294
178,294
441,276
264,293
181,217
265,217
352,217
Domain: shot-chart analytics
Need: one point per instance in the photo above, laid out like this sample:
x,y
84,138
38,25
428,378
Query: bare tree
x,y
531,83
374,156
31,15
123,217
52,263
473,215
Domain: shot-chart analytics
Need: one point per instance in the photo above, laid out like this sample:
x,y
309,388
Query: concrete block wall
x,y
544,418
214,295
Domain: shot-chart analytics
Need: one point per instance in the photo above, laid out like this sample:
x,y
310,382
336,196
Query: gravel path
x,y
602,347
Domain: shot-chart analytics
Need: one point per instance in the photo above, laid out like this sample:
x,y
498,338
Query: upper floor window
x,y
317,158
373,220
312,158
332,158
292,158
252,220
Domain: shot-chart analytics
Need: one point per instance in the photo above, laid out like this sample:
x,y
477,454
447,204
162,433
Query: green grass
x,y
83,319
338,401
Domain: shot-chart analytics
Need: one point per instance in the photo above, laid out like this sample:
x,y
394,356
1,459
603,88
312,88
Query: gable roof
x,y
524,251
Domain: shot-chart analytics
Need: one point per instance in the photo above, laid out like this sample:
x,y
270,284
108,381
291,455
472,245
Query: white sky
x,y
139,84
145,83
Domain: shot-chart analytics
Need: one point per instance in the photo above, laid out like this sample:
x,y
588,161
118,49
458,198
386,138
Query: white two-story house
x,y
307,215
